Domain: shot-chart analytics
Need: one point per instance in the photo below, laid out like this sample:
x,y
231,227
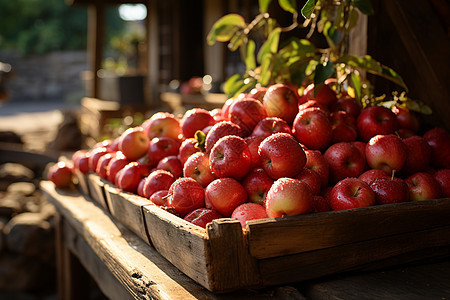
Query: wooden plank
x,y
97,188
275,237
180,242
82,183
230,267
143,272
364,255
127,209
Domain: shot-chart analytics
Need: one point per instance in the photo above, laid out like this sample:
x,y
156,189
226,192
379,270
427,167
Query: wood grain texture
x,y
82,183
97,190
276,237
127,209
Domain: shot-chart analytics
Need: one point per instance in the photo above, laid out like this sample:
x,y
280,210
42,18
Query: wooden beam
x,y
153,48
95,44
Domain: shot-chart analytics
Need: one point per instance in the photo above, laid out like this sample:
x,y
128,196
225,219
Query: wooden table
x,y
89,239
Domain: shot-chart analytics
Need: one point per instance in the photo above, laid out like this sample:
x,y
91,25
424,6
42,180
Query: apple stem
x,y
392,175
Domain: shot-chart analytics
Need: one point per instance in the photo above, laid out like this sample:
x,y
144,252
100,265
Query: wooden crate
x,y
97,189
224,258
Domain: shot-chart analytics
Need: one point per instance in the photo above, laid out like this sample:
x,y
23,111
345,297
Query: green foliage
x,y
41,26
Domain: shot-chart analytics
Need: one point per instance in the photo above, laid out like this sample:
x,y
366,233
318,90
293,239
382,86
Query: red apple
x,y
197,166
133,143
185,195
226,108
257,183
386,152
257,93
202,216
195,119
325,94
288,197
423,186
249,211
320,204
312,128
311,178
282,102
230,157
157,180
443,178
216,113
80,161
247,113
253,143
187,148
418,155
94,156
314,104
370,175
171,164
347,104
140,187
439,140
102,164
60,174
316,162
162,124
406,119
351,193
220,130
281,155
269,126
343,126
160,197
117,163
224,195
390,190
160,148
376,120
129,177
344,160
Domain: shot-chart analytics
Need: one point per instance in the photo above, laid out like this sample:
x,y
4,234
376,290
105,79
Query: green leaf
x,y
250,62
271,44
330,34
364,6
288,5
266,72
200,136
308,8
264,5
323,72
419,107
356,81
224,28
236,41
352,20
233,84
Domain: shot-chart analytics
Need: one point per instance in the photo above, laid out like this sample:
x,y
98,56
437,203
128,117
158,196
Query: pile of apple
x,y
273,153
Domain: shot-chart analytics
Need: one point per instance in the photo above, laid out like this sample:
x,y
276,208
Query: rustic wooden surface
x,y
97,190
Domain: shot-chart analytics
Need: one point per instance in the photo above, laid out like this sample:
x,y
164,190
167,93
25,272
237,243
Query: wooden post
x,y
95,45
153,49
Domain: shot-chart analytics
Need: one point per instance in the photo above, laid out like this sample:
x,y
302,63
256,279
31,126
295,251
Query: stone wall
x,y
50,77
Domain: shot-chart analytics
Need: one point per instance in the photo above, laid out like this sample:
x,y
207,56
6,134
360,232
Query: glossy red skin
x,y
439,140
325,95
162,124
60,174
311,178
220,130
81,161
253,143
202,216
288,197
185,195
362,149
130,176
443,178
102,164
195,119
197,166
224,195
375,120
249,211
95,155
160,148
187,148
314,104
226,108
343,126
347,104
171,164
282,102
257,183
370,175
320,204
156,181
159,197
269,126
423,186
418,155
386,152
247,113
313,129
406,119
230,157
257,93
316,162
116,164
344,160
351,193
133,143
281,155
389,190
